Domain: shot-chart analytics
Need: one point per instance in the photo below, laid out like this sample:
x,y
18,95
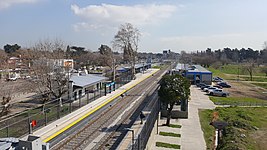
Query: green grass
x,y
156,67
233,69
208,130
175,126
167,145
169,134
240,121
244,101
258,79
263,85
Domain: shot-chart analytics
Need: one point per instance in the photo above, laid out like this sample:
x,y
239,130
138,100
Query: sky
x,y
178,25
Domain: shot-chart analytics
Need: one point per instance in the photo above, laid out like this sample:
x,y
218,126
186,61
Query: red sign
x,y
33,123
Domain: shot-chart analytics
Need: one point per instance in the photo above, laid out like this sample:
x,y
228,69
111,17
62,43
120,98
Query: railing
x,y
18,124
143,136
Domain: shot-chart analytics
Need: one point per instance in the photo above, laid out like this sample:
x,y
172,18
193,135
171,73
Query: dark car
x,y
224,84
218,86
207,86
217,79
201,84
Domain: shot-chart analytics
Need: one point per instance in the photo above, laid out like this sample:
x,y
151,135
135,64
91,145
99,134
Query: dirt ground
x,y
20,91
260,137
245,89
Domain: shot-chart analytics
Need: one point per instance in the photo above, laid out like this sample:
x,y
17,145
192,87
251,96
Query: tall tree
x,y
127,40
11,48
52,79
108,59
173,89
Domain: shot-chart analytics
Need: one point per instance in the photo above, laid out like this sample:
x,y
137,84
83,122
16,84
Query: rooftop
x,y
192,68
86,80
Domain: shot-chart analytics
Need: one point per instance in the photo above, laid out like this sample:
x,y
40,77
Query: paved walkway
x,y
191,134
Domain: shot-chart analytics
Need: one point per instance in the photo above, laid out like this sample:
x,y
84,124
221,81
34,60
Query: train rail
x,y
106,129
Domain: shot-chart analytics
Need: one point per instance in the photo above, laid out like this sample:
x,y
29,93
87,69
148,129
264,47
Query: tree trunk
x,y
169,114
250,73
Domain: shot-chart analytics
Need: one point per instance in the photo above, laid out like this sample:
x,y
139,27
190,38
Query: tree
x,y
127,40
11,48
52,78
173,89
264,70
249,67
108,59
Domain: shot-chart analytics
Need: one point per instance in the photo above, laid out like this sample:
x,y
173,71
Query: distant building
x,y
195,73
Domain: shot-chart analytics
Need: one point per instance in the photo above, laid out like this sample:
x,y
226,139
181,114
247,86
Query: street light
x,y
129,129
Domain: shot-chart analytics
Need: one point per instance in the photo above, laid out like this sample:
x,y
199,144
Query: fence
x,y
19,124
143,136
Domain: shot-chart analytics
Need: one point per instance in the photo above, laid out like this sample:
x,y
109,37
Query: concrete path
x,y
192,137
166,139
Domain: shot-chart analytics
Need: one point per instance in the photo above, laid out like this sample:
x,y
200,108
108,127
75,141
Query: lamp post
x,y
129,129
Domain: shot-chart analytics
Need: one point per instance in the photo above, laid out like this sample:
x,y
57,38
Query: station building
x,y
195,73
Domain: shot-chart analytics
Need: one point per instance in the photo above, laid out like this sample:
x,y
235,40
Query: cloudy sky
x,y
188,25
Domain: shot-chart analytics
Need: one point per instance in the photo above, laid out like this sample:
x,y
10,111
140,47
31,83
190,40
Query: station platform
x,y
57,127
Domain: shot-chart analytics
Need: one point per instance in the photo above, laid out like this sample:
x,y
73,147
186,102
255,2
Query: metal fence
x,y
143,136
20,124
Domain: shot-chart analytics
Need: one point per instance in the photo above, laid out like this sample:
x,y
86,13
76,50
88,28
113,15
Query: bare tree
x,y
249,66
52,78
127,40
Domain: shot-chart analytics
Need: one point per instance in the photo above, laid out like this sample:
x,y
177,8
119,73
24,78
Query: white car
x,y
218,92
12,79
209,88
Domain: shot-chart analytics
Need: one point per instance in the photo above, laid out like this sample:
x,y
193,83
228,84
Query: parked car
x,y
201,84
218,86
218,92
224,84
209,88
12,79
217,79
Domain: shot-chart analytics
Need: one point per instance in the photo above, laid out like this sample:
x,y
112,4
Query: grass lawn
x,y
243,101
241,121
263,85
175,126
258,79
233,69
169,134
167,145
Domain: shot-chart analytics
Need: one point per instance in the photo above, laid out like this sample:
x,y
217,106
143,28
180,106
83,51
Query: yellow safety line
x,y
94,110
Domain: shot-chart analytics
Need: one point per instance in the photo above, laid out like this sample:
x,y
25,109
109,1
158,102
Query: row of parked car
x,y
217,89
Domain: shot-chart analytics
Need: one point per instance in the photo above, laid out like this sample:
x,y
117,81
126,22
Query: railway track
x,y
104,130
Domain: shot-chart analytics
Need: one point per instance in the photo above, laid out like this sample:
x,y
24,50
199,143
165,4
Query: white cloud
x,y
7,3
113,15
